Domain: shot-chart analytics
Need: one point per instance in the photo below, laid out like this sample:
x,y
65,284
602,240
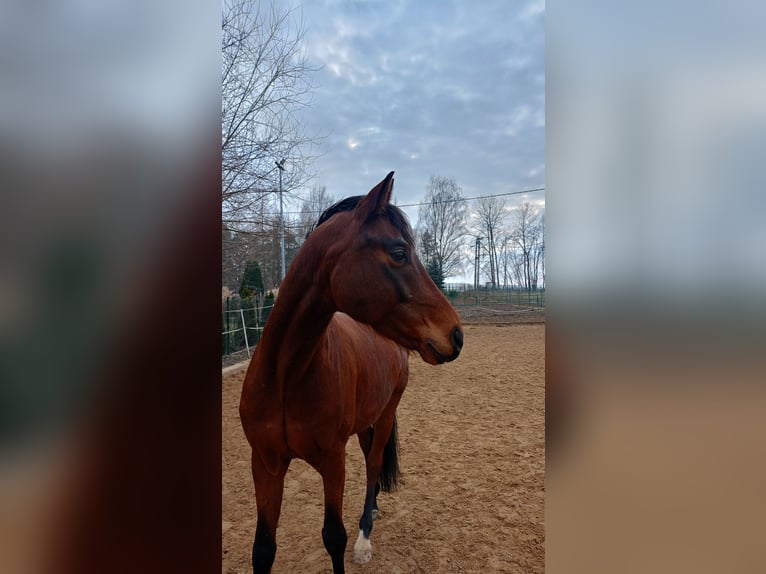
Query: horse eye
x,y
399,255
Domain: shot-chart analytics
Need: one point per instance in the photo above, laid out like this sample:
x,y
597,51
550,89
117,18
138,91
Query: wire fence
x,y
494,296
243,319
242,325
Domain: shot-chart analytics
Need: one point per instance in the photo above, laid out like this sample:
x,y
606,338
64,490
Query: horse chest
x,y
313,417
307,439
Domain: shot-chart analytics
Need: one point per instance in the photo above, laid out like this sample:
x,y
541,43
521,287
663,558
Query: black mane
x,y
348,204
395,215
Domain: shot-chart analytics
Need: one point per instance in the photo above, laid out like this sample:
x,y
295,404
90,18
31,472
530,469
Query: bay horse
x,y
333,362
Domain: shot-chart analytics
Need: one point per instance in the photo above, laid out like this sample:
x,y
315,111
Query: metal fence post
x,y
244,330
228,348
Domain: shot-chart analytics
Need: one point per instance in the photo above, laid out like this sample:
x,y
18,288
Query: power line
x,y
520,192
473,198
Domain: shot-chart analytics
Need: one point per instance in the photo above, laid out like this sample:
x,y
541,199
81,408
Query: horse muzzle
x,y
433,355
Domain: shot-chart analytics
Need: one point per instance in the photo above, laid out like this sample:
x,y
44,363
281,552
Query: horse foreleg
x,y
268,496
333,471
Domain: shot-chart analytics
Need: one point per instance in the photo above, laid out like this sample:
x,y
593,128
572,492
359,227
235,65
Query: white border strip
x,y
231,369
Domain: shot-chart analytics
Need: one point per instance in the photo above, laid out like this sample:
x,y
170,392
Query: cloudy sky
x,y
450,88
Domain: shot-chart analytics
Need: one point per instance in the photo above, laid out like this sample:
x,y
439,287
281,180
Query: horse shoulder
x,y
354,344
372,369
260,410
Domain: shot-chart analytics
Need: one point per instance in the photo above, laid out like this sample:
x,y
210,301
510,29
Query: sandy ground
x,y
472,456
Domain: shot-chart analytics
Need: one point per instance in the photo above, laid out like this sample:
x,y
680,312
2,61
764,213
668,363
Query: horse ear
x,y
377,199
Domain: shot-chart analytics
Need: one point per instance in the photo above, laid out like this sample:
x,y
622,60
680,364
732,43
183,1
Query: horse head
x,y
377,278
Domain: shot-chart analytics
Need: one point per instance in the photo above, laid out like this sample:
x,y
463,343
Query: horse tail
x,y
389,473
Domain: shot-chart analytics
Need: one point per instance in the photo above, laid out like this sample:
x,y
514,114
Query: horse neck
x,y
301,313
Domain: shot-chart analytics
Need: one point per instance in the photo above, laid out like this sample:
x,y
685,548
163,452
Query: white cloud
x,y
428,88
535,171
532,10
518,119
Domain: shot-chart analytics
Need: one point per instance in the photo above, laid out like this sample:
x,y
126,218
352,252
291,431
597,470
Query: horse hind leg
x,y
268,495
363,547
365,442
375,501
382,470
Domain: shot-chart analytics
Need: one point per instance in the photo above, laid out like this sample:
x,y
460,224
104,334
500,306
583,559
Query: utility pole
x,y
281,166
477,260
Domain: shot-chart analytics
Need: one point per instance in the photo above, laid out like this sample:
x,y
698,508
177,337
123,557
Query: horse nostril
x,y
457,338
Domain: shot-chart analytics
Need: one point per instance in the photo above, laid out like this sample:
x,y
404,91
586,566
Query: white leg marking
x,y
362,549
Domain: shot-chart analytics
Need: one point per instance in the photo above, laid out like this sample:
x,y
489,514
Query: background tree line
x,y
511,239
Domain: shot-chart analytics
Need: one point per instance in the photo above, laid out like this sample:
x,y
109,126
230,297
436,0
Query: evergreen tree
x,y
435,271
252,280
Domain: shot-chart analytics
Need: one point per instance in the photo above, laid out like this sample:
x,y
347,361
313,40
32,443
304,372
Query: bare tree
x,y
263,246
527,238
538,253
266,80
505,251
233,257
425,245
542,246
517,266
441,225
314,204
488,220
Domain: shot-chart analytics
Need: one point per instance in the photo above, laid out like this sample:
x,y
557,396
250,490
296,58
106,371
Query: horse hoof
x,y
362,549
